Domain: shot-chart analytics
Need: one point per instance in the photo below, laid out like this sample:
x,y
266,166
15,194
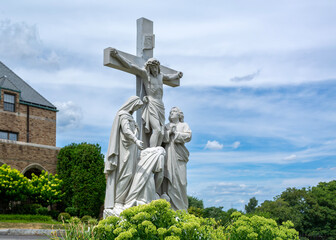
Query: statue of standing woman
x,y
122,156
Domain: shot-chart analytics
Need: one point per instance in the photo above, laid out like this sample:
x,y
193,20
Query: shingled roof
x,y
9,80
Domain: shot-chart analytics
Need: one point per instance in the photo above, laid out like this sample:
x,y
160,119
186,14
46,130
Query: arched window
x,y
33,168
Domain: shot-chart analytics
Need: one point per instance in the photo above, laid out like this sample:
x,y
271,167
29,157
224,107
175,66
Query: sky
x,y
257,91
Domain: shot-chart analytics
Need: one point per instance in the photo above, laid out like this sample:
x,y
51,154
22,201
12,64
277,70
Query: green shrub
x,y
42,211
86,218
54,214
72,211
92,222
75,220
13,185
63,217
81,167
46,188
257,227
157,221
25,208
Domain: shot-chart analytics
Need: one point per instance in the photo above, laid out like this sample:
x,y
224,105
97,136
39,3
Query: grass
x,y
32,218
21,225
29,221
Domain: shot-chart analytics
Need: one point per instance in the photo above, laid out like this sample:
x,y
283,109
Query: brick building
x,y
27,126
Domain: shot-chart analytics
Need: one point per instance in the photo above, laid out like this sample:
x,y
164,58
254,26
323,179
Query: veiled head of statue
x,y
131,105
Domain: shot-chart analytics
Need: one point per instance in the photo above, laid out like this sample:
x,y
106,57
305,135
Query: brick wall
x,y
41,122
20,155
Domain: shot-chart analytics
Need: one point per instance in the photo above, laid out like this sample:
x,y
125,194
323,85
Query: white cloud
x,y
245,78
214,145
236,144
290,157
305,181
20,43
69,115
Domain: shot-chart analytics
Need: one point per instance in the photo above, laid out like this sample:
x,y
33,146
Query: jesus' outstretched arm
x,y
127,64
168,77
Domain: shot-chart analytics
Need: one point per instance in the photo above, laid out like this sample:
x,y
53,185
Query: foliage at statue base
x,y
158,221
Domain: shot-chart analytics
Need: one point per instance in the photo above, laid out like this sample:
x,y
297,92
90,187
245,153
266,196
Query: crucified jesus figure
x,y
153,114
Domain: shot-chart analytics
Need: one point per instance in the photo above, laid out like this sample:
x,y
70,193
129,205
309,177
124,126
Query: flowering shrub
x,y
46,188
157,221
257,227
14,186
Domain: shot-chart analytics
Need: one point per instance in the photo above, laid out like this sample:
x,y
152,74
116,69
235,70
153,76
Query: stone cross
x,y
145,46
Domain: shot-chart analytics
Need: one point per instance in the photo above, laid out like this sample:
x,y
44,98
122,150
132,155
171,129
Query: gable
x,y
9,80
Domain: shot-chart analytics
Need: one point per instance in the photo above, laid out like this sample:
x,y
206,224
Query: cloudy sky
x,y
257,92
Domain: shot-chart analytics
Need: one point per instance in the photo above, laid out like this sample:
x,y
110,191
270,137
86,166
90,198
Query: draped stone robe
x,y
122,155
175,172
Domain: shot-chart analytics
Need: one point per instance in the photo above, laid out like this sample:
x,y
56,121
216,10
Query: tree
x,y
251,206
320,214
195,202
312,210
81,167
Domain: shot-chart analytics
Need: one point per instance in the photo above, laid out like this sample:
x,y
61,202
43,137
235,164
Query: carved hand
x,y
139,144
180,74
145,99
114,52
173,129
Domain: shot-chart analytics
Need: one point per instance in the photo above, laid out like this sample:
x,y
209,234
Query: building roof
x,y
7,84
9,80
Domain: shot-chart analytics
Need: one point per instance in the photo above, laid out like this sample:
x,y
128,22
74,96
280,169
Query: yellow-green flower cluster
x,y
14,186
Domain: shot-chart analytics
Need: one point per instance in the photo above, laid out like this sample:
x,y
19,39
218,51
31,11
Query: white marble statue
x,y
122,155
177,132
148,177
153,114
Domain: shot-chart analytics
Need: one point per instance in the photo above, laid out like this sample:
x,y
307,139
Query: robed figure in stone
x,y
177,133
122,154
147,178
153,114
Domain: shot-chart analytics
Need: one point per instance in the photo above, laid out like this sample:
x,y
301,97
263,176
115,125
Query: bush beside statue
x,y
158,221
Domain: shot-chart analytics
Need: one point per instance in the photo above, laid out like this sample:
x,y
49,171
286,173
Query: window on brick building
x,y
9,102
8,135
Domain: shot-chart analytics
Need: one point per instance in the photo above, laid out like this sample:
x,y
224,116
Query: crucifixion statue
x,y
150,77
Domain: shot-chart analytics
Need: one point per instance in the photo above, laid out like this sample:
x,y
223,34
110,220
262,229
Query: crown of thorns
x,y
152,62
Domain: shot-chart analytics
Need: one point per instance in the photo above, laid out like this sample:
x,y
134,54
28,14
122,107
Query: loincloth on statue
x,y
154,108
